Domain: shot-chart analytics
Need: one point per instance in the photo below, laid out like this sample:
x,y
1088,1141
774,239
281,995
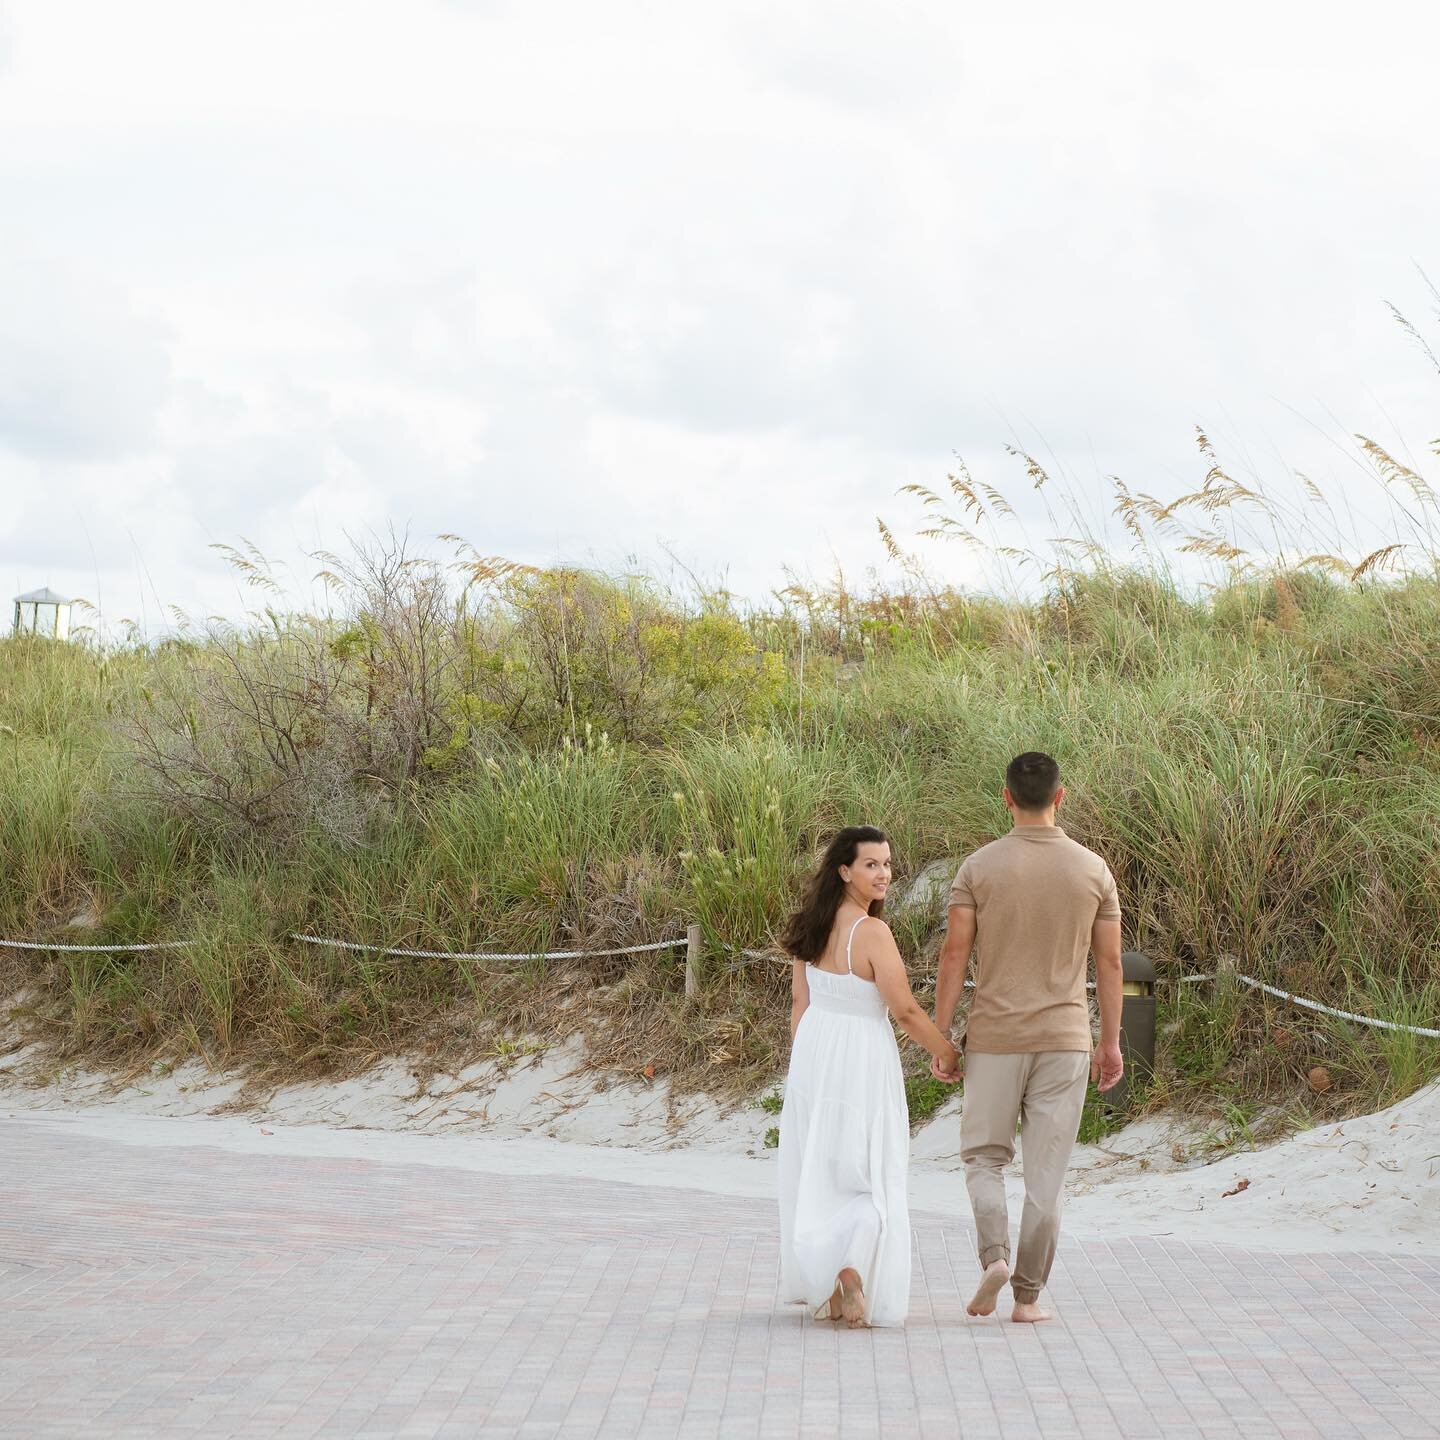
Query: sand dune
x,y
1368,1183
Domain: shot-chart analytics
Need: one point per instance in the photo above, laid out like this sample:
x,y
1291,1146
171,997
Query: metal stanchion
x,y
1137,1025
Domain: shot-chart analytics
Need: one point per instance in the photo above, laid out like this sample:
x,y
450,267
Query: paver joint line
x,y
151,1291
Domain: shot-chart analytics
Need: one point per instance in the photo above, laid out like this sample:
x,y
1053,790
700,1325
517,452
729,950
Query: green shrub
x,y
578,762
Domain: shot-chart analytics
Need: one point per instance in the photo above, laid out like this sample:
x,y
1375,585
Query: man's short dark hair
x,y
1032,780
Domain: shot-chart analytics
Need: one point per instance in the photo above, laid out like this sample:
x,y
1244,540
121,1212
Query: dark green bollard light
x,y
1137,1025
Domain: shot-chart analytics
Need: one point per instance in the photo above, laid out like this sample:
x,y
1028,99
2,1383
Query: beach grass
x,y
565,760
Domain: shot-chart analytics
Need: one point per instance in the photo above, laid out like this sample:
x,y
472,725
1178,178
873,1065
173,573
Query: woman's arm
x,y
799,994
894,986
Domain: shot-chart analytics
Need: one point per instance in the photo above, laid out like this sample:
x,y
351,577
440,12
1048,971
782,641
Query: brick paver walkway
x,y
190,1290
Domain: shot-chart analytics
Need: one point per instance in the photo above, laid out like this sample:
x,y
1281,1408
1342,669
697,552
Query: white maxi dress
x,y
845,1149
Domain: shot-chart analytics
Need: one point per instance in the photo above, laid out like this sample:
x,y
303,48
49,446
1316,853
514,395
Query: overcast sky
x,y
589,281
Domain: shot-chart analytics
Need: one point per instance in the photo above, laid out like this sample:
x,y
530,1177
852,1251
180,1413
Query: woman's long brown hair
x,y
808,929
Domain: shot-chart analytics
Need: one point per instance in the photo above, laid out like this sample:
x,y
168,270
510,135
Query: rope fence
x,y
484,955
1370,1020
349,945
1343,1014
95,949
691,941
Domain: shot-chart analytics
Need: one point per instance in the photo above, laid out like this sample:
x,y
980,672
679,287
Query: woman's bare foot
x,y
852,1297
992,1282
1031,1314
835,1310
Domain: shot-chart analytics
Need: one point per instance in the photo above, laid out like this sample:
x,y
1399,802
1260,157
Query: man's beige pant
x,y
1044,1093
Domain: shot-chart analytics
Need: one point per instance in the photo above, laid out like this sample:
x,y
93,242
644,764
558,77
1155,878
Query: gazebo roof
x,y
43,597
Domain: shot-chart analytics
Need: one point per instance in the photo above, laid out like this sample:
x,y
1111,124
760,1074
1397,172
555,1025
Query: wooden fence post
x,y
692,961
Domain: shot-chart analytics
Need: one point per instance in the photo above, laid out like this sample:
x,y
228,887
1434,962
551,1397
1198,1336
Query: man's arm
x,y
954,962
1106,1064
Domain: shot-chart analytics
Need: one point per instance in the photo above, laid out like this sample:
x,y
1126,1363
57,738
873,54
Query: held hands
x,y
1106,1067
947,1065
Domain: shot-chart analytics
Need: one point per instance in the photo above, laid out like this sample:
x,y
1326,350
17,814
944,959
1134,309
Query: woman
x,y
845,1129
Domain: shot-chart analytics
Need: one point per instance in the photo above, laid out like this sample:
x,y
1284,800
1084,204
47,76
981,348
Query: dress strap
x,y
849,938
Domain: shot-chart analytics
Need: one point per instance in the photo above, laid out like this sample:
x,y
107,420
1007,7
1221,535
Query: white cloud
x,y
576,280
853,56
82,374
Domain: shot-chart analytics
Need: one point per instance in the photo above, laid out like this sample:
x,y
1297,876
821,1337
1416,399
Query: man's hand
x,y
1107,1065
950,1077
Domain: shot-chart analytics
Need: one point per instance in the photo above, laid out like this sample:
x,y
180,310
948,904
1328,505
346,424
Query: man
x,y
1031,904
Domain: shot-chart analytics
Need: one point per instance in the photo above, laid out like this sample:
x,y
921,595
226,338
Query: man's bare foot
x,y
1031,1314
852,1297
992,1282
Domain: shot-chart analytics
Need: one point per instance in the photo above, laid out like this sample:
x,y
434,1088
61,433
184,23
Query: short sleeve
x,y
961,892
1109,896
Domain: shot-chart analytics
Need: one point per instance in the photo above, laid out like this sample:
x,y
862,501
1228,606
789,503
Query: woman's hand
x,y
947,1066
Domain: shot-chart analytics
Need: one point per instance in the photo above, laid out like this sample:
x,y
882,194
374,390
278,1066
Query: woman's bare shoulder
x,y
873,931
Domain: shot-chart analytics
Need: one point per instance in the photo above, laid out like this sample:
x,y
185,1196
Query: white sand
x,y
550,1096
1371,1183
1368,1183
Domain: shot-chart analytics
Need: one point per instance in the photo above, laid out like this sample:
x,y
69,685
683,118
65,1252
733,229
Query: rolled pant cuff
x,y
1024,1295
991,1253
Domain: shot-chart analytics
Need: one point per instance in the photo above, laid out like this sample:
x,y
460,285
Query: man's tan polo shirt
x,y
1035,893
